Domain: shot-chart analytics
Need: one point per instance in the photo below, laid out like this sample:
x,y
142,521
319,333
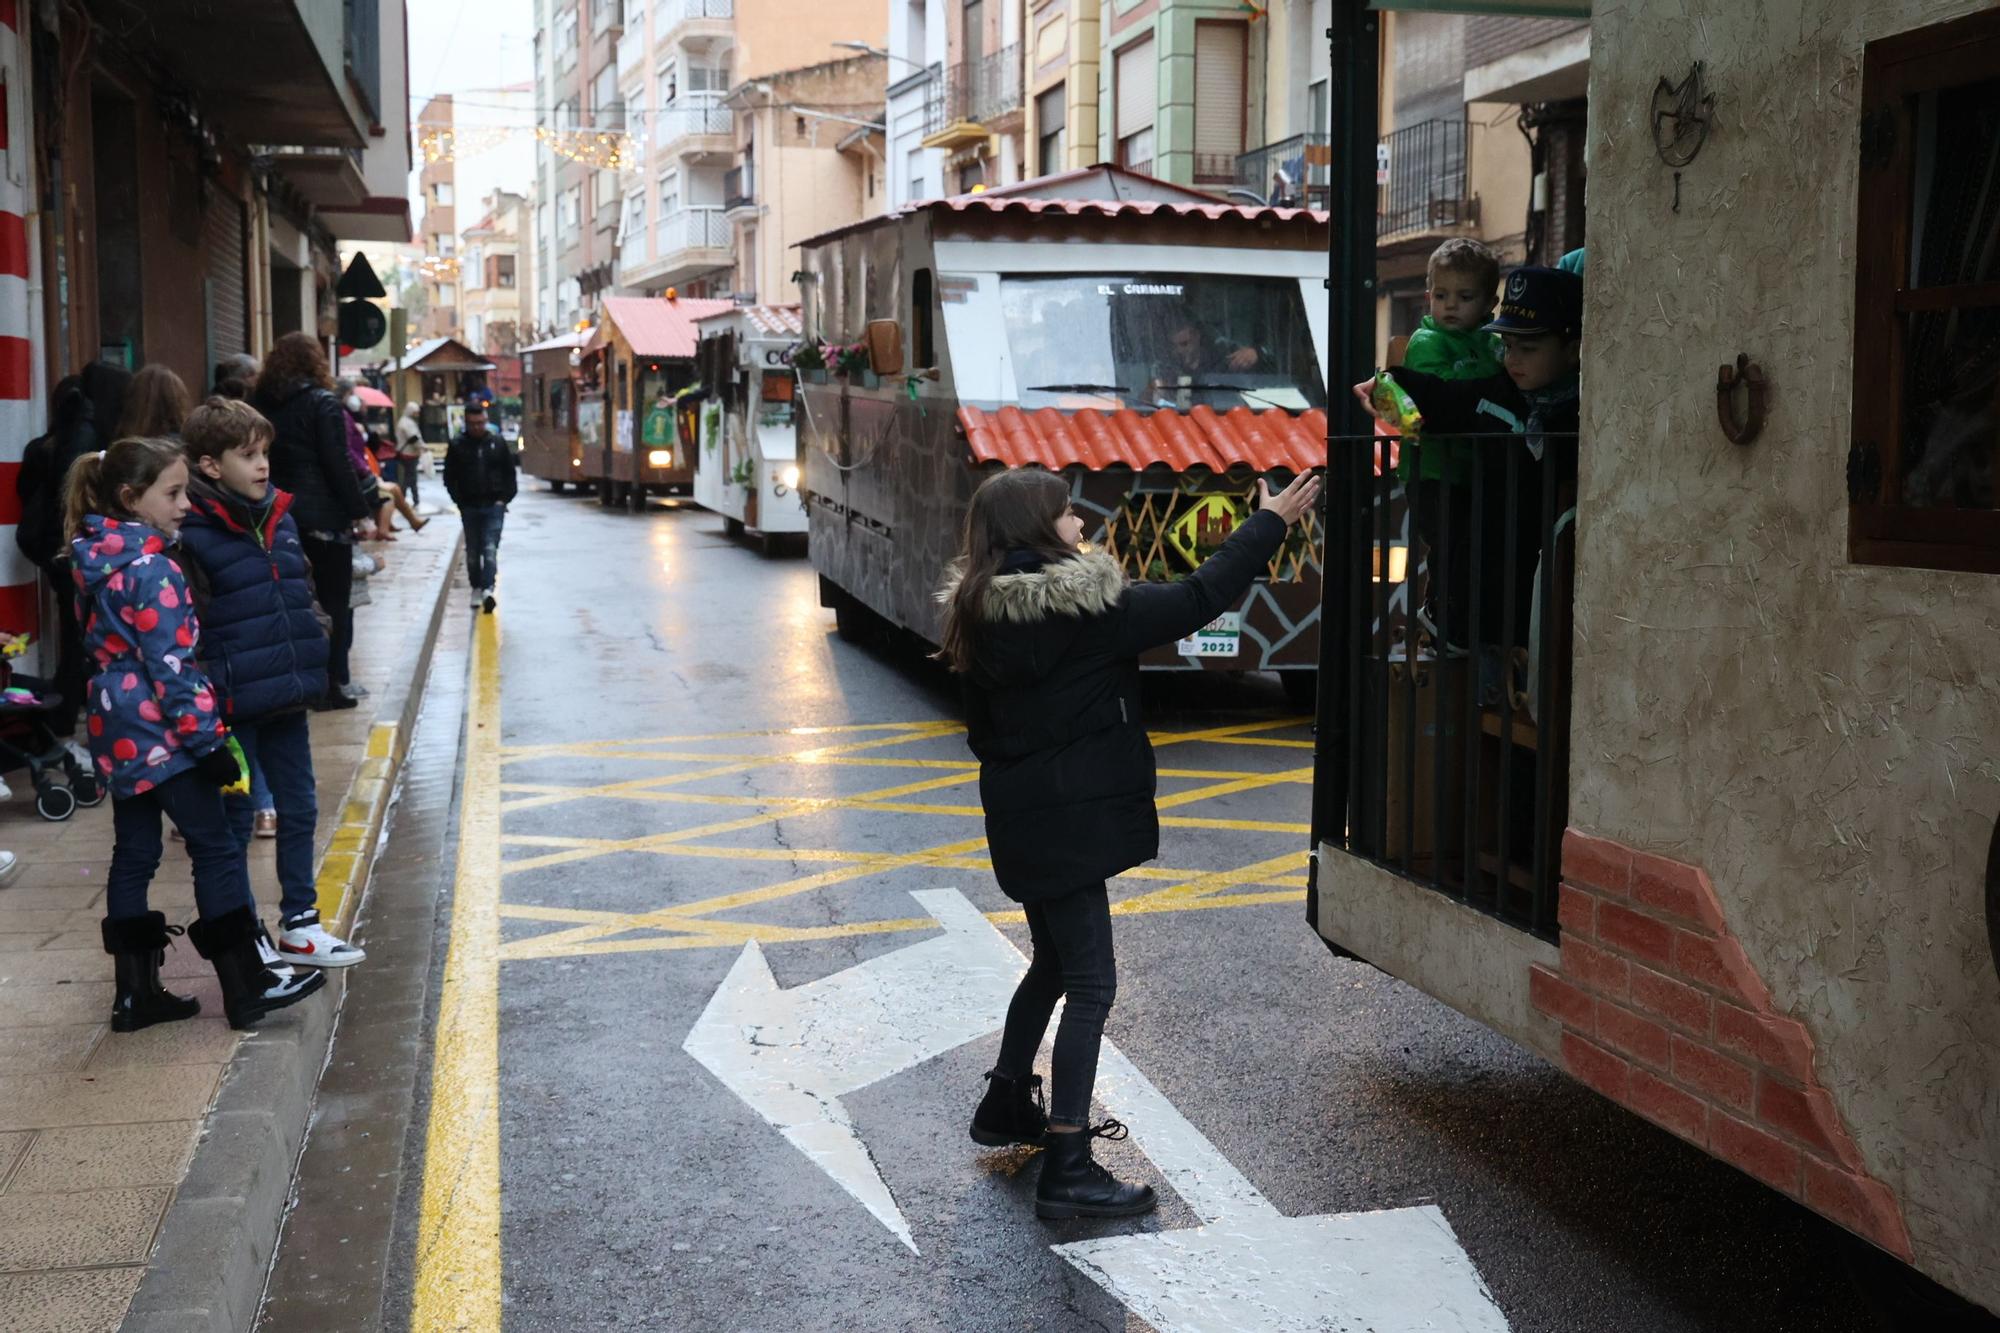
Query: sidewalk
x,y
102,1143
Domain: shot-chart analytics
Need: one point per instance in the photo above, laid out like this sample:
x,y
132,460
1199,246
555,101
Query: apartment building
x,y
1170,88
582,144
493,275
973,117
810,158
437,230
678,61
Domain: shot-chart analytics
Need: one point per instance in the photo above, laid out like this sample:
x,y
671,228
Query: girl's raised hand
x,y
1292,502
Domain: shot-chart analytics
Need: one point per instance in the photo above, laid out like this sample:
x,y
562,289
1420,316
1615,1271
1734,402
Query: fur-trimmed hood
x,y
1029,618
1084,585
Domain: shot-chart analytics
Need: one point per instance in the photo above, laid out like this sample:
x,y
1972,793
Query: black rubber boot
x,y
249,989
138,945
1074,1185
1010,1112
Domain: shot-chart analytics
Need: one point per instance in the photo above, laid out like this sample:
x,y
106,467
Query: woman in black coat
x,y
309,459
1048,642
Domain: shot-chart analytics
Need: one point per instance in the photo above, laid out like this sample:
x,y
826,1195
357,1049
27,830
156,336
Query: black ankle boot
x,y
1074,1185
249,989
138,945
1010,1112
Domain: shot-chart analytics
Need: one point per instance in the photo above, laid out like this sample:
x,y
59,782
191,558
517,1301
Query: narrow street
x,y
667,757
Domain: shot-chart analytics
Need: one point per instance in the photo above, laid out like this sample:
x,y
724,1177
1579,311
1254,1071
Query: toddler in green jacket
x,y
1451,343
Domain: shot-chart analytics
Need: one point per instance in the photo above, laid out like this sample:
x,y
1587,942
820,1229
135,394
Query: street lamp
x,y
866,49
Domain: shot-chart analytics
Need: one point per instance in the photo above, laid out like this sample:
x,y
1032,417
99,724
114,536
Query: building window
x,y
566,37
569,214
1221,72
447,293
1137,102
503,271
447,244
708,78
669,84
973,173
1319,111
670,195
441,194
1051,134
635,216
1927,301
473,268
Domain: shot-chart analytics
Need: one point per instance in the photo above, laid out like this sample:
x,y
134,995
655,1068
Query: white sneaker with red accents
x,y
305,942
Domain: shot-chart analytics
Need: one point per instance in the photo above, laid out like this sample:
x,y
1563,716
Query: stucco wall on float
x,y
1820,736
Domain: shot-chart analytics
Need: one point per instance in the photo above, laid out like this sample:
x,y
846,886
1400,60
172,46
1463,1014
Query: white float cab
x,y
746,448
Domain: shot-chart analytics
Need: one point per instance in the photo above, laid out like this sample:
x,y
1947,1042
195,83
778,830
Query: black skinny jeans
x,y
1073,958
333,583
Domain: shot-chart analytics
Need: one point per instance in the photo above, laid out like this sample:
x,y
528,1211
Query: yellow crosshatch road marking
x,y
696,925
727,770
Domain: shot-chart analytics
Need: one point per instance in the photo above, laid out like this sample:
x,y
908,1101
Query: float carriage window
x,y
1161,340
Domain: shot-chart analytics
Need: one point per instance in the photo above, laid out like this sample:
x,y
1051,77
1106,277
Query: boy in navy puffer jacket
x,y
262,645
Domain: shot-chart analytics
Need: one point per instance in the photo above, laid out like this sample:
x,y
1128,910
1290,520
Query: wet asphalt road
x,y
639,1192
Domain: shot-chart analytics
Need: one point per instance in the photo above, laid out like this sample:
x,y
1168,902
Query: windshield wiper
x,y
1075,388
1225,388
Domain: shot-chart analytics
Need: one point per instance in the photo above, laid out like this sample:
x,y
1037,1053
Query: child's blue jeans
x,y
282,748
221,875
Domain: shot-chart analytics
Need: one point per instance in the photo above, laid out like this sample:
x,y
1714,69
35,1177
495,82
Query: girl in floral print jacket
x,y
157,739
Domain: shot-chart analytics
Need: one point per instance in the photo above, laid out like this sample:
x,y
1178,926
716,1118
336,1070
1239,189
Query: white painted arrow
x,y
792,1054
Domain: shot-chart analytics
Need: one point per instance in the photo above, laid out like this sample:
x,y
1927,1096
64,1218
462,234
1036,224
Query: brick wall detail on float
x,y
1663,1013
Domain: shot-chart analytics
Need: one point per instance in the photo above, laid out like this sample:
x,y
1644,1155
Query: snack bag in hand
x,y
1395,407
241,787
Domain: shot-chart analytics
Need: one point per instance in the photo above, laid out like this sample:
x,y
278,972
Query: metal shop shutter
x,y
1219,56
227,297
1138,83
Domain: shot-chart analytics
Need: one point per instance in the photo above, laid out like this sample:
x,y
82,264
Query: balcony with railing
x,y
1427,191
693,127
739,188
695,228
974,100
1291,173
673,14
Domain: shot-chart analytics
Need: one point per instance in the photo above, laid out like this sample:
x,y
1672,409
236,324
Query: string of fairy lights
x,y
605,149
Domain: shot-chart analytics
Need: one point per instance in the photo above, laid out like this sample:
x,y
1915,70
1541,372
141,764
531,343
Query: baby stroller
x,y
27,741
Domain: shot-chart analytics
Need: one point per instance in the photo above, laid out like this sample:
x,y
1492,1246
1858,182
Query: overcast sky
x,y
458,46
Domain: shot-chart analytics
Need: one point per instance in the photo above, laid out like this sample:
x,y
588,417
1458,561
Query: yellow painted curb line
x,y
350,855
457,1280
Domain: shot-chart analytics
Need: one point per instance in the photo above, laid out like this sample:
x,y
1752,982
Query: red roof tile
x,y
656,326
1096,440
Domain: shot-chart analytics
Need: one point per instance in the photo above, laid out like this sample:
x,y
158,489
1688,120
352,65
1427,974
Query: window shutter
x,y
1138,81
228,296
1218,88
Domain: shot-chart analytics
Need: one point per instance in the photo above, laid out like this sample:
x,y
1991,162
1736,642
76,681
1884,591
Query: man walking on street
x,y
479,473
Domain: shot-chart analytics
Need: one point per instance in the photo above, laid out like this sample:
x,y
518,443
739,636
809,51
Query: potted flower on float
x,y
851,362
809,360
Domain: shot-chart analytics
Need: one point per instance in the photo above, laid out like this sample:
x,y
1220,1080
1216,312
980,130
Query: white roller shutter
x,y
1138,88
1218,88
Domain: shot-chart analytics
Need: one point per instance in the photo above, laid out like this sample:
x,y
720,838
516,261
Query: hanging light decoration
x,y
606,149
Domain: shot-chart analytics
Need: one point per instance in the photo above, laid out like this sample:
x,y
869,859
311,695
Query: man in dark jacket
x,y
482,477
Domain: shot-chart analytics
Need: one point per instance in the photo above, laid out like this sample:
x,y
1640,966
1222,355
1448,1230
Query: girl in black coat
x,y
1048,642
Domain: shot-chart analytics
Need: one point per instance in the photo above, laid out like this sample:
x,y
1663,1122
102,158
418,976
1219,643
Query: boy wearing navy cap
x,y
1535,397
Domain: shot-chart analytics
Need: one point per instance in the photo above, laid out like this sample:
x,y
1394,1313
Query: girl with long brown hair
x,y
1047,639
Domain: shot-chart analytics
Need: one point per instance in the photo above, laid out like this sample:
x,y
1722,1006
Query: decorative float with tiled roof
x,y
1160,348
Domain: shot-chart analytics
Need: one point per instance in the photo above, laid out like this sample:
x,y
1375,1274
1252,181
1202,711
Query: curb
x,y
208,1269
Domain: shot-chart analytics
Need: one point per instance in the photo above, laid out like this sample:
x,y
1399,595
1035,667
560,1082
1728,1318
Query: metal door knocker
x,y
1740,430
